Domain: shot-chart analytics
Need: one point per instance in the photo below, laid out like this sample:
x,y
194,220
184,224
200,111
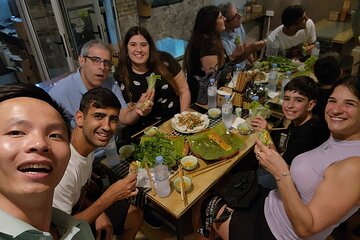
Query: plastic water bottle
x,y
273,76
236,71
212,91
226,111
162,177
316,50
112,156
284,82
272,47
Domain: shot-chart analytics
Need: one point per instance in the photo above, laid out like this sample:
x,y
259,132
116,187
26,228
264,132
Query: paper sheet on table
x,y
272,94
237,121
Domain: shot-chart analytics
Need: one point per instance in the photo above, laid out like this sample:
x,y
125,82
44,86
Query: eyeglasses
x,y
236,16
97,61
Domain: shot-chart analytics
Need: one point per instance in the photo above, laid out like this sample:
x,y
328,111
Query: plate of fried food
x,y
190,122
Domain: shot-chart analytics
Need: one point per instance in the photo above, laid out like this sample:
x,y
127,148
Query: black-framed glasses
x,y
97,61
236,16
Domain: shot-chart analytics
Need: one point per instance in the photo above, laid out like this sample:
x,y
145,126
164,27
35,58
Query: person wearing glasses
x,y
205,52
111,213
234,35
95,65
296,34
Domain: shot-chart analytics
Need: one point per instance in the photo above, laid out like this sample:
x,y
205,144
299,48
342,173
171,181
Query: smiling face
x,y
297,107
98,125
139,51
34,149
342,114
94,74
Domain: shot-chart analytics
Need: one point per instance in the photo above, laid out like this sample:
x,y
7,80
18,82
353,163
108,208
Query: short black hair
x,y
15,90
305,85
99,98
327,68
291,15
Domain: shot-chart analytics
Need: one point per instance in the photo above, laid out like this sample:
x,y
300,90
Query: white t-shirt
x,y
77,174
307,35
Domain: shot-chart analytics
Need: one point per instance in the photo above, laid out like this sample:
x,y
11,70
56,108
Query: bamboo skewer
x,y
209,168
152,184
182,186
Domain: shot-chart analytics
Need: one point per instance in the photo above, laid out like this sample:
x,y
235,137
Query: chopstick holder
x,y
182,186
152,184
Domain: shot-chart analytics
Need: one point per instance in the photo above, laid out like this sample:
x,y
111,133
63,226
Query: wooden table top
x,y
337,32
202,182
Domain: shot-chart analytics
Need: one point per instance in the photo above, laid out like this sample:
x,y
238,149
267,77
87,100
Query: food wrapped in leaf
x,y
151,80
134,166
265,138
143,105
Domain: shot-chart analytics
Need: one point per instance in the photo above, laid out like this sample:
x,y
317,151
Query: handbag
x,y
241,191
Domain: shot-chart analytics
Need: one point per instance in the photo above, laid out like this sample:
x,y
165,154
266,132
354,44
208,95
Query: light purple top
x,y
307,171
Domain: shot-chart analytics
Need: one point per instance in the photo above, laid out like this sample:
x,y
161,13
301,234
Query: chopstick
x,y
211,167
182,187
138,133
152,184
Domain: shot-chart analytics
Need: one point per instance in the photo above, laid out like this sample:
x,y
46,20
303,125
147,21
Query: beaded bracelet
x,y
284,174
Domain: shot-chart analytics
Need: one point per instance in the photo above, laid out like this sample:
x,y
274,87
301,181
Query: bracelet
x,y
284,174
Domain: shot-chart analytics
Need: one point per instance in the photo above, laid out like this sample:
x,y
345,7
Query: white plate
x,y
184,129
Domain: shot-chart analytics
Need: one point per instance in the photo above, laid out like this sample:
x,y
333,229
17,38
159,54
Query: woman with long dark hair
x,y
138,60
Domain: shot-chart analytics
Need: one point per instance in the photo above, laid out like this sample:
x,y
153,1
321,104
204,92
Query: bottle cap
x,y
288,73
227,97
274,65
159,159
212,80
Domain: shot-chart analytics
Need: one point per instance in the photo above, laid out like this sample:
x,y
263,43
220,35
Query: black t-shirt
x,y
201,48
166,102
297,140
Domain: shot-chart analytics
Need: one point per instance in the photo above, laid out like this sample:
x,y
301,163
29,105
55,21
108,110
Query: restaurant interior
x,y
40,43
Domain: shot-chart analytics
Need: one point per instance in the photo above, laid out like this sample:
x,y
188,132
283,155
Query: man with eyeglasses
x,y
233,38
297,34
95,66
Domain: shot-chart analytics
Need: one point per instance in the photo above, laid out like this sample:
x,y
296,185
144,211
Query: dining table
x,y
204,177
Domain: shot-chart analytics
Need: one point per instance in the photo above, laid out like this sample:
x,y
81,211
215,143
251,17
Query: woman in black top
x,y
139,59
205,53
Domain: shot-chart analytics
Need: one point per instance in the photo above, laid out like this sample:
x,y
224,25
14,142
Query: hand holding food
x,y
134,166
265,138
145,103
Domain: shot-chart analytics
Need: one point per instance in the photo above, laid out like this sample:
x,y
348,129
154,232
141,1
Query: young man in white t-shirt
x,y
296,34
111,213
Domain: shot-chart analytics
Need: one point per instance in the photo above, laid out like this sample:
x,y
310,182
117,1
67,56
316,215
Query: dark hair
x,y
99,98
327,68
15,90
154,63
304,85
204,29
351,83
291,15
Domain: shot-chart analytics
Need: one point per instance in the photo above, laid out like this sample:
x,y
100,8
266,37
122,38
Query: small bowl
x,y
126,151
244,128
189,162
187,183
214,113
151,131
